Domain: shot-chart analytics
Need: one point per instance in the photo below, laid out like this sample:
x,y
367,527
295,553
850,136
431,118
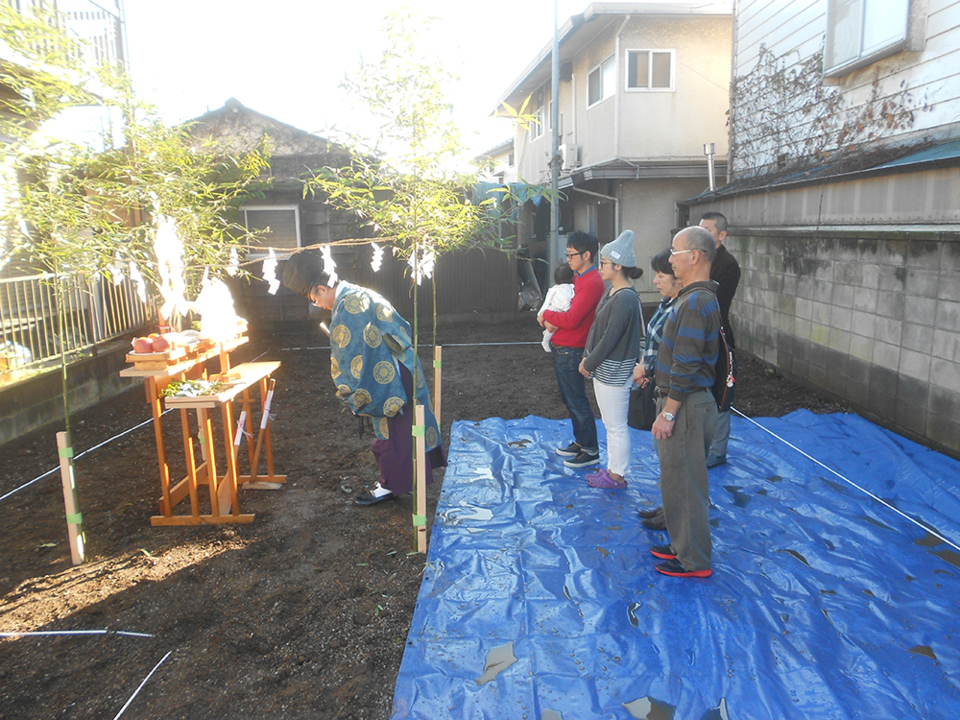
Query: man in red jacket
x,y
570,330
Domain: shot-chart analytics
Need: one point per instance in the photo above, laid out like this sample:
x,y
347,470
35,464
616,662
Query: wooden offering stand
x,y
160,369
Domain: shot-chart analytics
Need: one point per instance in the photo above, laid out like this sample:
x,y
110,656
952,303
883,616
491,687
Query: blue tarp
x,y
824,603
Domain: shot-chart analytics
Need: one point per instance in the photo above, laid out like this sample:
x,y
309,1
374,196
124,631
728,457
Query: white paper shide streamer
x,y
329,266
234,265
270,272
377,257
137,279
168,248
422,264
214,304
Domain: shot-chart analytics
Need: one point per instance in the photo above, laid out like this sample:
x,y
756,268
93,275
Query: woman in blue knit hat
x,y
611,353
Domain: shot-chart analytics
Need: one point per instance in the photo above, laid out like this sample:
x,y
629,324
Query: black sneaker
x,y
673,568
571,450
664,552
583,459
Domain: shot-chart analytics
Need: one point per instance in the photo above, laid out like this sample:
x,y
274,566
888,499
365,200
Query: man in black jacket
x,y
726,272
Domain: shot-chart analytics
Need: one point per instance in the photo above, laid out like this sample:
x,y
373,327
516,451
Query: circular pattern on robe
x,y
356,304
392,405
334,368
420,381
385,313
383,372
432,437
341,335
360,398
343,391
372,336
356,366
385,428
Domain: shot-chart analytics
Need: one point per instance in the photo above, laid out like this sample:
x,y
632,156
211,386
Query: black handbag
x,y
643,408
725,382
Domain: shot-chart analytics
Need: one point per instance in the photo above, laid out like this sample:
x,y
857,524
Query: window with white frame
x,y
602,81
282,223
538,123
651,70
862,31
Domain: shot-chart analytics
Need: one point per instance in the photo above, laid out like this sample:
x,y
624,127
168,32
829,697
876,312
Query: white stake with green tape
x,y
74,517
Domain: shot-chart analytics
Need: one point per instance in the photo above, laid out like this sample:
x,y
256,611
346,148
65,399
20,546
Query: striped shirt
x,y
691,342
655,336
613,344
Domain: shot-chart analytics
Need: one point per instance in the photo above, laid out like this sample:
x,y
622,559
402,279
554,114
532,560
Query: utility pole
x,y
552,246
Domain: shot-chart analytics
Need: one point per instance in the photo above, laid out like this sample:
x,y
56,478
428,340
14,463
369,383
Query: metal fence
x,y
94,311
97,23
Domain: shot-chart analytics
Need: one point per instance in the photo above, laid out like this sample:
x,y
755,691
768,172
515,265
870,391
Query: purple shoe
x,y
603,479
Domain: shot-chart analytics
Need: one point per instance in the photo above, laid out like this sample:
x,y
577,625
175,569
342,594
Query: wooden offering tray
x,y
156,360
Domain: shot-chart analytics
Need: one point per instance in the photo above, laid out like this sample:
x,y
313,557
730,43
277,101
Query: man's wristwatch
x,y
669,417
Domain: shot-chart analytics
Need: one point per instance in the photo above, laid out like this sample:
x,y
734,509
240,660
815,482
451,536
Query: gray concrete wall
x,y
870,316
37,401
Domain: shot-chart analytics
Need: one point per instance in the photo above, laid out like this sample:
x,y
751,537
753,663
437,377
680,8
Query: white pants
x,y
614,405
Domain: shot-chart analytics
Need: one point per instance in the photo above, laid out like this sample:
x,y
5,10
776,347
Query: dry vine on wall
x,y
783,116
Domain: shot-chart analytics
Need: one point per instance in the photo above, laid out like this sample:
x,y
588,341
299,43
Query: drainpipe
x,y
708,150
616,94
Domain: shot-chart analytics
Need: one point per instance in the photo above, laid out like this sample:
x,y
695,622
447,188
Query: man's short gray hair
x,y
699,238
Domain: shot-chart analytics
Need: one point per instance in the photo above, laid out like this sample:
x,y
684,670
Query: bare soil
x,y
303,613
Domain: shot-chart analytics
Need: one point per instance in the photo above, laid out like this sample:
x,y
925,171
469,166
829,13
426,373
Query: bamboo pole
x,y
72,505
437,351
420,517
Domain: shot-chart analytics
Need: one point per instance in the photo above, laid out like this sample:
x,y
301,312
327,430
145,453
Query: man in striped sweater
x,y
687,411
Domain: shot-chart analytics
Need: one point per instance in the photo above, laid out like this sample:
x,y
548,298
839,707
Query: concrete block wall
x,y
871,317
37,401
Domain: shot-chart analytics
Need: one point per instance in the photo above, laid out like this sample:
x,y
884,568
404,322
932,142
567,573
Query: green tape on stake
x,y
436,363
419,520
66,452
418,430
75,519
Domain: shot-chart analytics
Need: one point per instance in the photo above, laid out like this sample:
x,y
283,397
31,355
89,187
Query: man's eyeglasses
x,y
573,254
680,252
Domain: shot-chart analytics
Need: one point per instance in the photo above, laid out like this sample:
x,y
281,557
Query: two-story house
x,y
845,202
643,88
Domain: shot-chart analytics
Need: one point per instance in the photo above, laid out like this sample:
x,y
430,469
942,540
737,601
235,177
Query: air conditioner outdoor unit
x,y
569,155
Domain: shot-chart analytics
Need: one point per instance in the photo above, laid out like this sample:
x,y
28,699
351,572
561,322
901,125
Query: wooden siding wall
x,y
794,30
469,283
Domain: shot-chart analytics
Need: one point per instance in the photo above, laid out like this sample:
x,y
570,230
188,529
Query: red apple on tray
x,y
161,344
143,345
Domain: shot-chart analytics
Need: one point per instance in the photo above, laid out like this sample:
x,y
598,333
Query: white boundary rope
x,y
140,687
125,633
97,447
459,345
850,482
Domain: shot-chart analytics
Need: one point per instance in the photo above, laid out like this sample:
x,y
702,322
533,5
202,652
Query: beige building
x,y
643,88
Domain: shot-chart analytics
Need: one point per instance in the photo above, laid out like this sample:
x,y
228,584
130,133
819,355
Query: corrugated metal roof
x,y
946,151
865,164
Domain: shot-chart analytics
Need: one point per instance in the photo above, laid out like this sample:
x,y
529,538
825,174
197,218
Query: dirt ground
x,y
301,614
